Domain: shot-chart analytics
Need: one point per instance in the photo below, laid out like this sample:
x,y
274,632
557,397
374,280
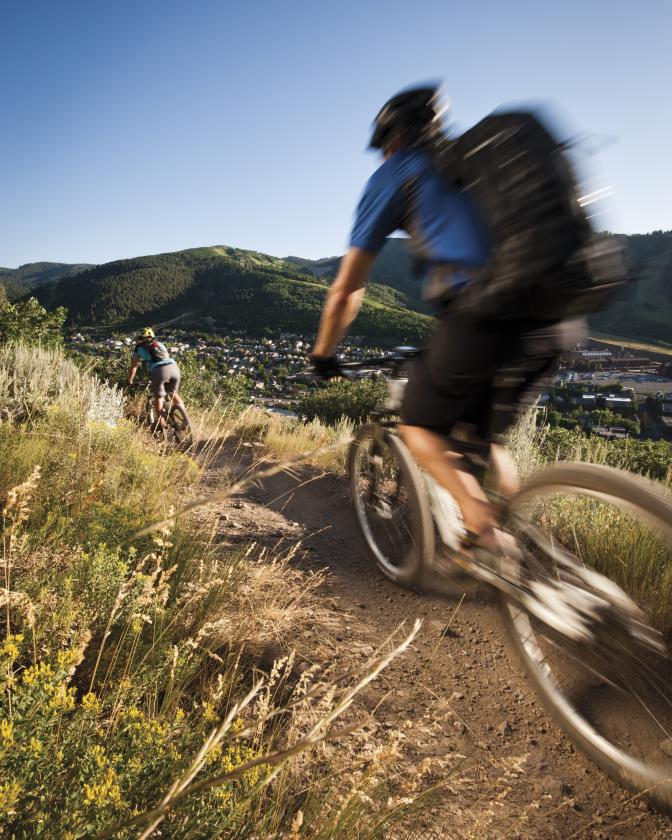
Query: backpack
x,y
545,261
157,351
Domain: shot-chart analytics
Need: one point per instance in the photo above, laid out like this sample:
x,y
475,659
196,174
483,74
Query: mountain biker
x,y
473,370
164,374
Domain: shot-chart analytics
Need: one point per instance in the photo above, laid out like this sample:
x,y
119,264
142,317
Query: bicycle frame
x,y
482,566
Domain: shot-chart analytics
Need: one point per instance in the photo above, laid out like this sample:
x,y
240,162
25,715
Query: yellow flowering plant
x,y
120,657
73,764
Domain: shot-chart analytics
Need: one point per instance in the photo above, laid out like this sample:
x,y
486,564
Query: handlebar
x,y
399,356
377,361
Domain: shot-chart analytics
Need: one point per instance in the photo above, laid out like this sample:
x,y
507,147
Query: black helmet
x,y
412,114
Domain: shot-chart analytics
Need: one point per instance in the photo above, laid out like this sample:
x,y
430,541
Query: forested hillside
x,y
393,267
644,309
236,289
255,292
19,281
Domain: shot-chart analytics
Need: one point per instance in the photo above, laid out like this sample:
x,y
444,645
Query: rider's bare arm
x,y
343,302
135,364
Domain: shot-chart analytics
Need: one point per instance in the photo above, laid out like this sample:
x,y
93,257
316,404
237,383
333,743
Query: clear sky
x,y
142,126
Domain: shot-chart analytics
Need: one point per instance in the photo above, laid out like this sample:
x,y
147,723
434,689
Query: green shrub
x,y
98,483
646,457
354,400
554,418
65,776
30,323
111,367
204,387
120,659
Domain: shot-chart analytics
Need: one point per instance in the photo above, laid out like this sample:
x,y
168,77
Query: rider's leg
x,y
450,470
165,382
172,385
457,380
505,473
451,383
158,410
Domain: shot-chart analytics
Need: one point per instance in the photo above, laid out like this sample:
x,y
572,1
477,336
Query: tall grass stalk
x,y
120,654
605,537
321,731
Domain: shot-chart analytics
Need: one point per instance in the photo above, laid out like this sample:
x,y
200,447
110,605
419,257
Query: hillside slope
x,y
19,281
393,267
644,309
236,289
254,292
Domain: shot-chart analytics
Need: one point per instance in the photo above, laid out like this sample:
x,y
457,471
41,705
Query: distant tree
x,y
355,400
29,322
204,387
632,427
553,418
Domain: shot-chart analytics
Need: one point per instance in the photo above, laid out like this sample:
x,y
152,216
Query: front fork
x,y
374,498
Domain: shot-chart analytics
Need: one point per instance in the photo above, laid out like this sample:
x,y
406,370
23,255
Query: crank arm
x,y
567,622
481,571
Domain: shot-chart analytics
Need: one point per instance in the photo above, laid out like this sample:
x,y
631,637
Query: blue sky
x,y
138,127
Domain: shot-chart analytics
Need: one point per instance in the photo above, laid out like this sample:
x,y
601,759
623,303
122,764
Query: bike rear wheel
x,y
179,426
390,504
176,428
607,678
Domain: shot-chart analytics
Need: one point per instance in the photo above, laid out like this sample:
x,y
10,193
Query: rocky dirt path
x,y
506,770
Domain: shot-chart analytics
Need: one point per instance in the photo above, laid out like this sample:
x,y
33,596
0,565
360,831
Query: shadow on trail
x,y
320,503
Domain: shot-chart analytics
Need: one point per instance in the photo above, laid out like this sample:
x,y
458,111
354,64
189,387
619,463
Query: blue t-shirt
x,y
446,226
146,357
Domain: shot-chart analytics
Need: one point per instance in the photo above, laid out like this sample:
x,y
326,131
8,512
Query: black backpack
x,y
545,261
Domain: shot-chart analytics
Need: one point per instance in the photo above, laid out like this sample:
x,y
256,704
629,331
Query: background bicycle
x,y
174,427
588,644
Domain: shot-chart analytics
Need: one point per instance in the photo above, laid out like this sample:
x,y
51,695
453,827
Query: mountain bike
x,y
590,650
174,428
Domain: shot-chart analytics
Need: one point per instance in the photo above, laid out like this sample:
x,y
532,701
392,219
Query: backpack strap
x,y
439,279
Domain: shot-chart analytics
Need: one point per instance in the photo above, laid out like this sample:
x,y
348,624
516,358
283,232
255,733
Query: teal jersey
x,y
146,357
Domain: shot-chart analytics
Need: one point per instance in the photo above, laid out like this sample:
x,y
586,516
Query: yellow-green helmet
x,y
145,334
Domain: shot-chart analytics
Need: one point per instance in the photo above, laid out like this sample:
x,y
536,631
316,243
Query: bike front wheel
x,y
596,566
390,504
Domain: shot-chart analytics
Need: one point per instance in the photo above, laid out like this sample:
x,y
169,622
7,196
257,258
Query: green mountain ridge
x,y
17,282
258,293
233,288
393,267
642,311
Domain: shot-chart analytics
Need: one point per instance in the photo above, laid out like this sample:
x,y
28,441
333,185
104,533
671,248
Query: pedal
x,y
447,565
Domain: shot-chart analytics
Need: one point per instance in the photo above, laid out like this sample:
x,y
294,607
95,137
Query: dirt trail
x,y
510,772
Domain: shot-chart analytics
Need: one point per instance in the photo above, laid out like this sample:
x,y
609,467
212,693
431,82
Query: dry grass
x,y
136,657
609,539
34,379
284,438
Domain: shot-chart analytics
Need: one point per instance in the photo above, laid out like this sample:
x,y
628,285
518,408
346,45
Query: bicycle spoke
x,y
615,674
385,505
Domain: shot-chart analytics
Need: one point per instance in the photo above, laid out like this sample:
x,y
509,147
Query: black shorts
x,y
475,372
